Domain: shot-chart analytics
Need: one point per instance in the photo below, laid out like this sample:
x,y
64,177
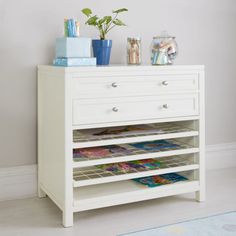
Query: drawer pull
x,y
115,109
114,85
165,106
165,83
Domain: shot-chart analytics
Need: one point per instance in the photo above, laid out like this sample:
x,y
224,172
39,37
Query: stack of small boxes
x,y
73,50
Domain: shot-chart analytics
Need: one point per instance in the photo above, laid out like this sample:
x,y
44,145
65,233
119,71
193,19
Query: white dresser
x,y
75,101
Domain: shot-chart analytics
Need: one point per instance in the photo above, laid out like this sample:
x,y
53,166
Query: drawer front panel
x,y
91,111
133,86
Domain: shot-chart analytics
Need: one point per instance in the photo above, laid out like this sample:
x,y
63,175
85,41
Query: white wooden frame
x,y
55,141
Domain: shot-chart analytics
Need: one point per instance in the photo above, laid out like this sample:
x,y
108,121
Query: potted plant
x,y
102,47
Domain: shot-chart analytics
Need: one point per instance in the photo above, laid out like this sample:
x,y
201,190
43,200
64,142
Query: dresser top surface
x,y
119,67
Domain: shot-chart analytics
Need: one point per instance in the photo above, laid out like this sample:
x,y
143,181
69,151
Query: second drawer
x,y
92,111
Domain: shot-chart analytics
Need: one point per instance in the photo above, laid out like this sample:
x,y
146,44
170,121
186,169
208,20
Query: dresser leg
x,y
68,218
200,196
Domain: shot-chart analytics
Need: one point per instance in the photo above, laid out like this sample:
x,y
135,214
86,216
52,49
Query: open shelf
x,y
110,194
134,153
109,136
95,175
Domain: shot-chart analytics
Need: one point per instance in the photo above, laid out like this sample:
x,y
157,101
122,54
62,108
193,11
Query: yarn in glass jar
x,y
134,52
164,49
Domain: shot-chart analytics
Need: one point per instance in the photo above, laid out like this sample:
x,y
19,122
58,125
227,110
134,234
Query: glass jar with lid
x,y
134,53
164,49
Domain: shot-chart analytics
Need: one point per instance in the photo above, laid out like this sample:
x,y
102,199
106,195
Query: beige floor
x,y
34,217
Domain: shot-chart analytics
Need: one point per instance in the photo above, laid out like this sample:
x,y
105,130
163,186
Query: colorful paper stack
x,y
72,50
132,166
157,180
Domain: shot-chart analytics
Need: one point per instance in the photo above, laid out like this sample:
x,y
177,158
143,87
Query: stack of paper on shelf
x,y
157,180
125,149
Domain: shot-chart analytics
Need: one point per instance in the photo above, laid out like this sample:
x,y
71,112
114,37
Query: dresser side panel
x,y
51,136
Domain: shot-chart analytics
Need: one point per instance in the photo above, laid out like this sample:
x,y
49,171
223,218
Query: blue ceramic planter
x,y
102,51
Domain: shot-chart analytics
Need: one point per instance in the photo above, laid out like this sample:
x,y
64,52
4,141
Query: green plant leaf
x,y
120,10
102,20
92,21
105,19
118,22
87,11
108,19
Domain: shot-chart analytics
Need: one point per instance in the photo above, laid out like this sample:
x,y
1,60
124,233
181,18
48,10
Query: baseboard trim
x,y
18,182
21,181
219,156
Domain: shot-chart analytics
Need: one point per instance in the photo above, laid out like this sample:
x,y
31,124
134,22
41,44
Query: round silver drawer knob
x,y
115,109
165,106
114,85
165,83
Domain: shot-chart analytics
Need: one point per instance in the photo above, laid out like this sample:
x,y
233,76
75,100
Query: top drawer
x,y
116,86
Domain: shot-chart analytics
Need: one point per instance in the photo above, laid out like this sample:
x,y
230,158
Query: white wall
x,y
205,31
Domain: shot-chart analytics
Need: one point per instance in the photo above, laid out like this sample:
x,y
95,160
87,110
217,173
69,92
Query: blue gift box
x,y
73,47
